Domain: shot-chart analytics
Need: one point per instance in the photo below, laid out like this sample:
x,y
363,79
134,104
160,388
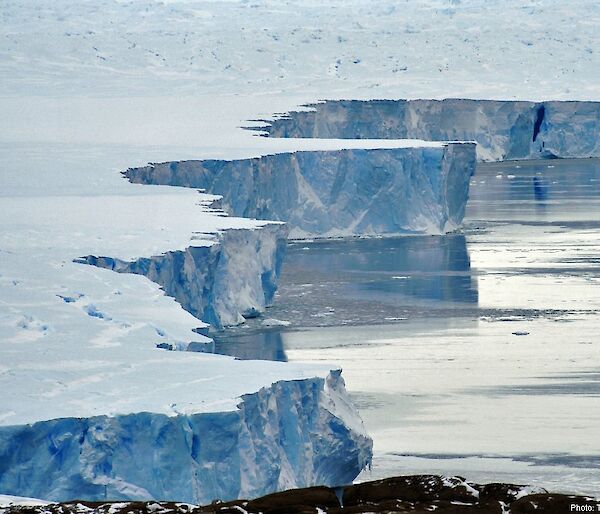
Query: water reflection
x,y
257,345
404,272
429,354
399,281
560,189
360,282
540,188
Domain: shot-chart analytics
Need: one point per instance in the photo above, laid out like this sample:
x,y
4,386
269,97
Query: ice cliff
x,y
502,129
221,284
291,434
92,406
344,192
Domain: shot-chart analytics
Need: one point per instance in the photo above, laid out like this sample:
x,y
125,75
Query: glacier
x,y
293,433
415,187
221,284
94,405
503,130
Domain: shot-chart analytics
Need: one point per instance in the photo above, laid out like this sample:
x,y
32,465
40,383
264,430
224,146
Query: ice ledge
x,y
221,284
356,188
503,129
294,433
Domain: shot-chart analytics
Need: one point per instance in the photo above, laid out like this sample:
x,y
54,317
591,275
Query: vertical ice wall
x,y
221,284
294,433
502,129
344,192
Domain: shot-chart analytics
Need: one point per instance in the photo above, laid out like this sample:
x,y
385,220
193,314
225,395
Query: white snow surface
x,y
63,202
192,72
81,341
7,501
97,355
542,49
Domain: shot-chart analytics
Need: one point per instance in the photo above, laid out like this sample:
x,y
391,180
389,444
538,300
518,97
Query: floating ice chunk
x,y
272,322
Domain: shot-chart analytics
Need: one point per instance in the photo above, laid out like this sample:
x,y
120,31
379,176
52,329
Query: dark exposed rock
x,y
295,501
415,494
418,488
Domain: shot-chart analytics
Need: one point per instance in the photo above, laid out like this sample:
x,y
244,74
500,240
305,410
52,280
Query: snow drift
x,y
345,192
502,129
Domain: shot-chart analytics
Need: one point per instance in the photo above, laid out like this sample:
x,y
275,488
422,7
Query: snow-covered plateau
x,y
542,49
503,130
386,187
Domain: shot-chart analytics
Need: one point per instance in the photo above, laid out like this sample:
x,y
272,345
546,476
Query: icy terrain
x,y
89,88
92,405
221,284
384,188
192,72
92,212
503,130
547,49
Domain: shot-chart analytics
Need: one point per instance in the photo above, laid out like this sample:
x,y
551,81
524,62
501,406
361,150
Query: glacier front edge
x,y
295,433
345,192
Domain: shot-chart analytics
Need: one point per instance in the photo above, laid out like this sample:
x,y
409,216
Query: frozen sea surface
x,y
474,353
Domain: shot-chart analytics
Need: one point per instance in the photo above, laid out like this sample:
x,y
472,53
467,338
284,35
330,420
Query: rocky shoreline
x,y
416,494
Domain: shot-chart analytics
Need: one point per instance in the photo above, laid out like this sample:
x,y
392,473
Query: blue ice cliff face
x,y
291,434
220,284
336,193
503,130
